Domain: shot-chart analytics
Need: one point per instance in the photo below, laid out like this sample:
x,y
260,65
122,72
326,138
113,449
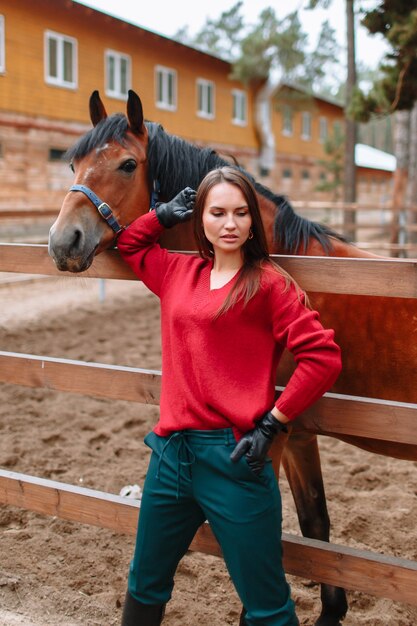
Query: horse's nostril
x,y
77,240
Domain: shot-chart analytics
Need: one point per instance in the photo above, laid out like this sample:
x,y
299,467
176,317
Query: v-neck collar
x,y
226,286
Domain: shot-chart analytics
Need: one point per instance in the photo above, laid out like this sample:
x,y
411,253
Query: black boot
x,y
137,614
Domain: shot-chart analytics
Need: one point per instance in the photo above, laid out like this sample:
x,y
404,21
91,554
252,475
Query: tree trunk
x,y
402,154
350,125
263,121
411,198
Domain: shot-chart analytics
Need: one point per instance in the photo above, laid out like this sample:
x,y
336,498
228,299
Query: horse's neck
x,y
340,249
180,238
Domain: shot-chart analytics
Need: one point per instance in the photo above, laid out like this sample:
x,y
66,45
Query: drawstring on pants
x,y
183,448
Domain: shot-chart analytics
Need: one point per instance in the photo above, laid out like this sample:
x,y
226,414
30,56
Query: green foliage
x,y
334,148
361,106
325,55
271,44
324,4
396,20
220,37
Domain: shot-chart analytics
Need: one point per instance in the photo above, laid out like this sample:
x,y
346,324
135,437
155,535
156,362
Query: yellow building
x,y
54,53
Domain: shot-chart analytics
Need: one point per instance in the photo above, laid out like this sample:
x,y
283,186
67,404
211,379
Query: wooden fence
x,y
375,228
372,227
361,570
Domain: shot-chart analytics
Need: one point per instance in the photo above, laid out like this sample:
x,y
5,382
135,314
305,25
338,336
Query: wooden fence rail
x,y
333,414
27,213
374,277
396,226
361,570
323,205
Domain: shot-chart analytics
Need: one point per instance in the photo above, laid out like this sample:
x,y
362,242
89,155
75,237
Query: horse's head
x,y
111,182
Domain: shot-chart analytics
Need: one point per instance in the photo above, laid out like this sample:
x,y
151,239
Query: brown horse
x,y
124,160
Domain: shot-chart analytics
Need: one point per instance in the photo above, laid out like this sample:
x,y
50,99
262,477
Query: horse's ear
x,y
135,113
97,110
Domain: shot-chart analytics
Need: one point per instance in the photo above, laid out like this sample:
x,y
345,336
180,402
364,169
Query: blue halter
x,y
102,207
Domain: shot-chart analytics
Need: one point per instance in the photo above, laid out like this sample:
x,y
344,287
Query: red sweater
x,y
220,373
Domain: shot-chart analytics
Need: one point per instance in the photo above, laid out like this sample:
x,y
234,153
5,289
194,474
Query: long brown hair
x,y
254,250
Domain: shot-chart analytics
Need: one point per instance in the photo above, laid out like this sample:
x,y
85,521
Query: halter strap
x,y
156,188
102,207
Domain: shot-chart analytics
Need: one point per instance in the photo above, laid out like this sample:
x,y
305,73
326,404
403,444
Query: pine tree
x,y
333,166
396,93
266,54
396,20
349,189
271,44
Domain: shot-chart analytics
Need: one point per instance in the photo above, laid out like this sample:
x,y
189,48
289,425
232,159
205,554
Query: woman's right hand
x,y
255,444
177,210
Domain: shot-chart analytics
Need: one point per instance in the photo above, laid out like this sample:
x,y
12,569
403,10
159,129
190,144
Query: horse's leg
x,y
301,462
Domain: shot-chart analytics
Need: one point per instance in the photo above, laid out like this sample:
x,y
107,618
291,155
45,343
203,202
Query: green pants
x,y
191,479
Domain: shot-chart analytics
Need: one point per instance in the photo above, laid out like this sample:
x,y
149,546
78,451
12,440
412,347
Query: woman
x,y
226,317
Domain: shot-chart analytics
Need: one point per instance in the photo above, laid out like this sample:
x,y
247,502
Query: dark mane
x,y
176,163
112,128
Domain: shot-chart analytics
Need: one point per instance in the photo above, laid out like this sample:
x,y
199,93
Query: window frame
x,y
56,155
323,129
207,86
166,71
287,121
337,129
306,120
2,44
240,96
118,57
59,81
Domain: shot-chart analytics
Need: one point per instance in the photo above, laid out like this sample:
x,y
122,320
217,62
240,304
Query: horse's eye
x,y
128,166
72,167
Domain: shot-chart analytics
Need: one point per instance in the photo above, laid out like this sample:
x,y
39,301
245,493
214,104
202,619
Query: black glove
x,y
256,443
177,210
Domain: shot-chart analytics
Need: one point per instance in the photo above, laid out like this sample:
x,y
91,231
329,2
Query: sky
x,y
168,16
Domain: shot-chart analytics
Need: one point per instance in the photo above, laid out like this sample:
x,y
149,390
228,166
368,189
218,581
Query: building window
x,y
56,154
323,129
305,174
118,74
166,88
337,129
287,121
240,108
2,46
205,98
60,60
306,125
287,173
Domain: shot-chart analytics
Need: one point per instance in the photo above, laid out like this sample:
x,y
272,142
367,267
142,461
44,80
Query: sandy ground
x,y
57,572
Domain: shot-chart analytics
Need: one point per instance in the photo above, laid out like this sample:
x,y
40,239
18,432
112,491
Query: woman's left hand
x,y
177,210
255,444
